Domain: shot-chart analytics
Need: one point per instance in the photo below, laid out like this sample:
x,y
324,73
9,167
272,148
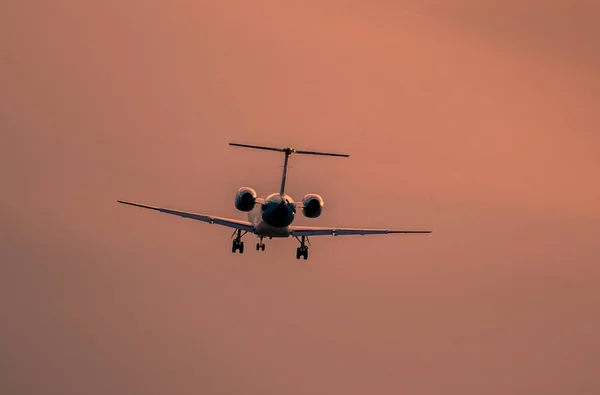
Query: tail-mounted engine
x,y
312,205
245,199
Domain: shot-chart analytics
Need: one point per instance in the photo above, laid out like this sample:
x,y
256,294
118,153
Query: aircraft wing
x,y
318,231
228,222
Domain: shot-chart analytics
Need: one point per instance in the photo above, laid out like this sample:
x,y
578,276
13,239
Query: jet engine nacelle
x,y
245,199
312,205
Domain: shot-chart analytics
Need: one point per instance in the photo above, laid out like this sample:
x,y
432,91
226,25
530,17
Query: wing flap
x,y
227,222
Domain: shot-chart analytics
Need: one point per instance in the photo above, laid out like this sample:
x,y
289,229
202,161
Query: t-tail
x,y
288,151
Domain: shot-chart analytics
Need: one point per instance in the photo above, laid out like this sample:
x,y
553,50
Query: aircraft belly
x,y
264,229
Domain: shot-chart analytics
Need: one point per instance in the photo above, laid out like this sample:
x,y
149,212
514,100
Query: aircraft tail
x,y
288,151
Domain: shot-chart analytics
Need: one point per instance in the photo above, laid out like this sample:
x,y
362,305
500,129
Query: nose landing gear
x,y
302,251
260,245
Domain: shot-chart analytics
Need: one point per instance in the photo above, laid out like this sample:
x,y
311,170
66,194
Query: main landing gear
x,y
260,245
238,244
302,251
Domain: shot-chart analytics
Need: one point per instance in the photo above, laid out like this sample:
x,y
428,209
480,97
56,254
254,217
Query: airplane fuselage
x,y
273,218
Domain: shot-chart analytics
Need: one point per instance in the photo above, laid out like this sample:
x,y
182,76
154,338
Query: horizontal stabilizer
x,y
320,153
289,150
257,147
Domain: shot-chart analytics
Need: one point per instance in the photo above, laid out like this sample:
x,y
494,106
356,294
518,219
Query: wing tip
x,y
138,205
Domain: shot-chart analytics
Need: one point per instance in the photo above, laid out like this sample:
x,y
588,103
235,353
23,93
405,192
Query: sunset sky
x,y
479,120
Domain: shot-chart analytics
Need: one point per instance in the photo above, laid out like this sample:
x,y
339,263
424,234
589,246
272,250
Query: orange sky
x,y
477,120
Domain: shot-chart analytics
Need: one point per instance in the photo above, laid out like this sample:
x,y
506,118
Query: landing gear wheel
x,y
260,245
238,244
302,251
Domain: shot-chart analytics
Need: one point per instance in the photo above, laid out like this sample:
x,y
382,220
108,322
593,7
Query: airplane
x,y
274,215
